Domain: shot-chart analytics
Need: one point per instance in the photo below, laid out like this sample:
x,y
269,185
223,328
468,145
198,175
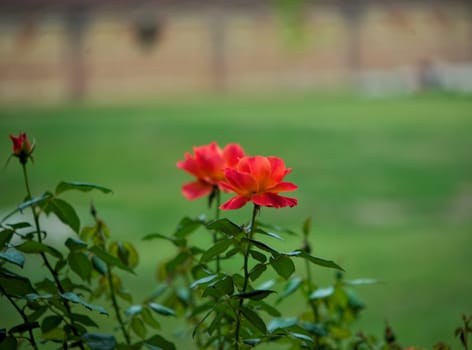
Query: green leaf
x,y
37,313
272,311
60,265
157,342
283,265
219,248
256,271
225,285
180,259
124,251
109,259
186,226
75,244
9,343
161,309
254,294
19,225
13,257
268,233
226,226
215,323
98,341
55,334
322,293
50,322
33,201
361,281
203,320
291,286
138,327
231,252
239,281
36,297
212,292
64,212
254,319
339,332
178,242
5,237
23,327
80,264
267,284
202,308
158,291
76,299
281,323
353,300
276,228
258,256
79,186
314,328
300,336
149,319
263,246
84,319
14,284
99,265
315,260
33,247
134,310
204,280
252,342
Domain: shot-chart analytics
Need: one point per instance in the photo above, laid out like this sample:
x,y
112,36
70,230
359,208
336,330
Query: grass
x,y
388,184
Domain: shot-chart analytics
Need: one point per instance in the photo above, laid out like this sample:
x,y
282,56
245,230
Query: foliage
x,y
226,308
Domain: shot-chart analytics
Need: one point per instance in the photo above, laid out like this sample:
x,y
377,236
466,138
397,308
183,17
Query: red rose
x,y
207,166
259,180
21,147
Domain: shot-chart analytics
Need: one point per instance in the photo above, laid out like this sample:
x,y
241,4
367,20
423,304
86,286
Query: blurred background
x,y
52,50
368,101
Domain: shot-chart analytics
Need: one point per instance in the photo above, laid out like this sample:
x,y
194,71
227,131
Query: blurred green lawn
x,y
388,183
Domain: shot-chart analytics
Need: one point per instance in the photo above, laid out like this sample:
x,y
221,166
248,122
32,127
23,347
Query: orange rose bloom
x,y
259,180
207,166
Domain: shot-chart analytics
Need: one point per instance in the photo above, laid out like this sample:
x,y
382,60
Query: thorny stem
x,y
114,302
23,316
218,264
45,259
310,289
215,233
198,338
115,305
246,273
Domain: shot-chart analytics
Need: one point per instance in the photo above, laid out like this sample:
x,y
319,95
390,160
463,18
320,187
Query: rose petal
x,y
273,200
234,203
278,169
190,166
196,189
242,183
225,186
243,165
260,170
231,154
283,187
210,160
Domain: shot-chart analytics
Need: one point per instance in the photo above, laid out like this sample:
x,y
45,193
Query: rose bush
x,y
226,307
